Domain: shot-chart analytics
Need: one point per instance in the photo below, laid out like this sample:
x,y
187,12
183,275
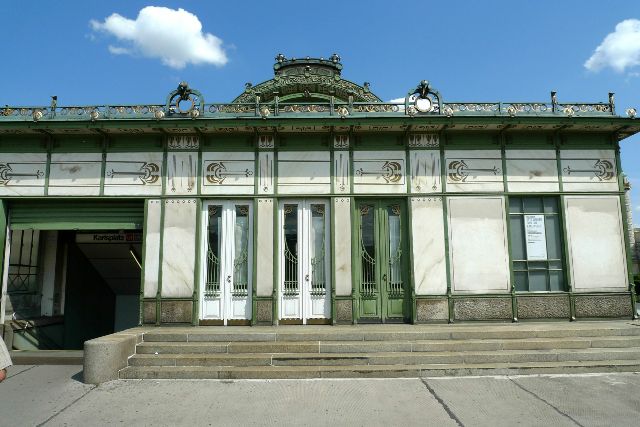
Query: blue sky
x,y
470,51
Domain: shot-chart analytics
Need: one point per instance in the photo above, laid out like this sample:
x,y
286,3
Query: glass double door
x,y
381,261
304,285
227,260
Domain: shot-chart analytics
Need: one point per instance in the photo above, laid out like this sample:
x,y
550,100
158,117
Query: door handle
x,y
306,278
228,279
384,277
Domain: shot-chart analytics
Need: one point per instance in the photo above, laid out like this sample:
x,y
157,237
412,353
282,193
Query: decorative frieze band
x,y
183,142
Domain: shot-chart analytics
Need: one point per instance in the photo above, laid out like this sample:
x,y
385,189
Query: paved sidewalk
x,y
55,396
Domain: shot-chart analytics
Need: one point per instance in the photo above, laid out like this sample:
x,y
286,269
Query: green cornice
x,y
623,127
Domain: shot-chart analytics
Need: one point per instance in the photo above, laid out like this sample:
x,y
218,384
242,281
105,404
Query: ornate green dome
x,y
307,80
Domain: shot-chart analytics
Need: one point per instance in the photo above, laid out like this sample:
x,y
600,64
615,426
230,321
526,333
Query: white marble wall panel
x,y
379,172
152,248
22,174
429,265
474,170
597,255
425,173
264,241
266,172
228,172
342,181
178,248
75,174
304,172
478,245
589,170
532,170
182,172
133,174
341,236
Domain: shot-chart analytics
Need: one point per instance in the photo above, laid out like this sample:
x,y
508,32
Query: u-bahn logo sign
x,y
217,172
149,173
7,174
459,171
390,172
602,169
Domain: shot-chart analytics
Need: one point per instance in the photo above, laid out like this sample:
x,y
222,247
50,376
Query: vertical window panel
x,y
537,275
554,242
214,230
532,205
241,253
317,248
518,250
291,285
368,250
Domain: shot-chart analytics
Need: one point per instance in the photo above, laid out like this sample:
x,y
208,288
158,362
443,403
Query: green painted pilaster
x,y
625,231
195,316
4,218
445,217
144,251
505,183
254,269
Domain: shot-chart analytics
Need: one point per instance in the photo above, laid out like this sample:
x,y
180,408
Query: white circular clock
x,y
423,105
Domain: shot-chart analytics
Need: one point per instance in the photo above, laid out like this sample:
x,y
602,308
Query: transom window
x,y
536,244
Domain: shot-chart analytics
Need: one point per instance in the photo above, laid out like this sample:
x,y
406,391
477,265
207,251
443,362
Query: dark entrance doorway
x,y
73,271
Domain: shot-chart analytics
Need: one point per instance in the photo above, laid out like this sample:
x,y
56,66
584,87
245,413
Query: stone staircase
x,y
371,351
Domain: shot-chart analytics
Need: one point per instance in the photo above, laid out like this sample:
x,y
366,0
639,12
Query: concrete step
x,y
385,346
393,332
384,358
380,371
47,357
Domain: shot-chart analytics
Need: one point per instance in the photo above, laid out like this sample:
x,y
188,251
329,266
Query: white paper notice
x,y
535,237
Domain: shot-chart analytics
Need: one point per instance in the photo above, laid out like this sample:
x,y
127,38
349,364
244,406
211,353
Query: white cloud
x,y
119,50
619,50
397,101
174,36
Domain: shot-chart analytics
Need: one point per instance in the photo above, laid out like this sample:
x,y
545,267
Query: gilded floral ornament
x,y
448,111
264,112
342,111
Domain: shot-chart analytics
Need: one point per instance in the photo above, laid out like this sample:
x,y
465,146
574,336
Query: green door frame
x,y
382,304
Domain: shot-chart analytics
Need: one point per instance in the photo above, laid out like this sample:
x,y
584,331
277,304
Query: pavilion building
x,y
309,200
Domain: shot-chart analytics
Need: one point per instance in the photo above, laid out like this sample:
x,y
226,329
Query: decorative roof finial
x,y
183,90
281,58
423,88
335,58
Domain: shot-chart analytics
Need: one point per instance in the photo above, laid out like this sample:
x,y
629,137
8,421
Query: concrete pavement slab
x,y
591,400
258,402
16,369
33,395
53,396
491,402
